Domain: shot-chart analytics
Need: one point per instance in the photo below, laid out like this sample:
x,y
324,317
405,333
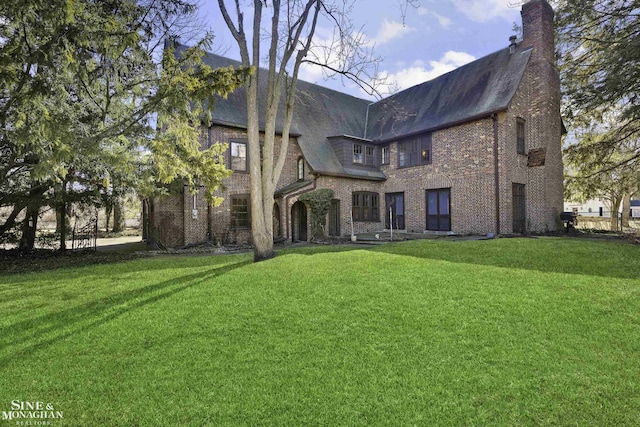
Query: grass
x,y
502,332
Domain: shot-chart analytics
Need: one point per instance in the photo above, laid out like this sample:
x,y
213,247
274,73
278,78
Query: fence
x,y
603,221
85,237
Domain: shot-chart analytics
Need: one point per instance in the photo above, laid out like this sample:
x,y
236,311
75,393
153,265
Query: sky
x,y
436,37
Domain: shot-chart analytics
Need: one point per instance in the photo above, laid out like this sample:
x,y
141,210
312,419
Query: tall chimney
x,y
512,44
538,30
543,119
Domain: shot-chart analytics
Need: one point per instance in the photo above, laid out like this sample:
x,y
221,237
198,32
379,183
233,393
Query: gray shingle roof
x,y
319,112
477,89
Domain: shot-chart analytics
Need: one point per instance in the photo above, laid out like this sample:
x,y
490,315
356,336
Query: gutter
x,y
494,117
439,127
346,175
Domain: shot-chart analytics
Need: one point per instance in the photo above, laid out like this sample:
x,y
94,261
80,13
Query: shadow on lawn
x,y
36,334
603,259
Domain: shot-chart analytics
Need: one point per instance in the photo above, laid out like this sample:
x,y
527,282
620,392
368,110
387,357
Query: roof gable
x,y
477,89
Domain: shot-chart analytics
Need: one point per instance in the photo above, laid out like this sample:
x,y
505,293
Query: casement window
x,y
369,156
415,151
300,169
385,158
365,206
520,136
238,156
425,149
240,211
357,154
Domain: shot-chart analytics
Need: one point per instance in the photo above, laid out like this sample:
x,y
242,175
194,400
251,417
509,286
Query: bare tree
x,y
290,38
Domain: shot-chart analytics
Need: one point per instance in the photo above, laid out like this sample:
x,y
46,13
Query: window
x,y
520,135
300,169
394,213
415,151
357,153
519,208
238,156
385,155
240,217
365,206
425,149
369,158
439,209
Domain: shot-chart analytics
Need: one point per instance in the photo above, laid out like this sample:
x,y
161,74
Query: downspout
x,y
366,121
494,117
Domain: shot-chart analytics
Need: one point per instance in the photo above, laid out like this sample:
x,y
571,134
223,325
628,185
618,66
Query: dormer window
x,y
357,154
300,169
369,157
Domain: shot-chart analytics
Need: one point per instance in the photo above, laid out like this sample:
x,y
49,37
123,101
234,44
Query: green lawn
x,y
503,332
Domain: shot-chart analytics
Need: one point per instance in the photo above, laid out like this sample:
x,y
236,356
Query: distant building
x,y
635,208
600,208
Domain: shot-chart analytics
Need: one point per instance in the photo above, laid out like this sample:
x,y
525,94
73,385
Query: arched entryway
x,y
299,222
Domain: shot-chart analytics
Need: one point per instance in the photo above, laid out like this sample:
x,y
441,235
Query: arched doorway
x,y
299,222
277,230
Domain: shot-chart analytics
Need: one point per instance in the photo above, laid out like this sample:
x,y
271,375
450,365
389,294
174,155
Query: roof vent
x,y
512,44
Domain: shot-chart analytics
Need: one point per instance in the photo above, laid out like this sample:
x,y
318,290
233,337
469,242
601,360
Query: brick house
x,y
474,151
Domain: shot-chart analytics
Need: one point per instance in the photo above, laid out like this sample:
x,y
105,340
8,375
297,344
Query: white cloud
x,y
390,30
485,10
417,73
442,20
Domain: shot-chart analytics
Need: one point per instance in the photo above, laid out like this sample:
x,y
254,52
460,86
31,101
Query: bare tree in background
x,y
289,33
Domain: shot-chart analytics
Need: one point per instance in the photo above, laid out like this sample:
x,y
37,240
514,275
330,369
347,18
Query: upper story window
x,y
238,156
415,151
369,156
300,169
385,158
357,154
365,206
520,136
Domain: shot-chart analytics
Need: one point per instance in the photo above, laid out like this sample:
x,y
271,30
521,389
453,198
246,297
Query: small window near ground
x,y
365,206
240,217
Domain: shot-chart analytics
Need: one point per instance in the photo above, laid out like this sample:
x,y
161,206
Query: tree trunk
x,y
61,224
626,210
615,207
28,238
10,222
118,215
61,217
108,209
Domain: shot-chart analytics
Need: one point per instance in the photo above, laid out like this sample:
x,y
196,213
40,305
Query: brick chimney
x,y
538,30
543,118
